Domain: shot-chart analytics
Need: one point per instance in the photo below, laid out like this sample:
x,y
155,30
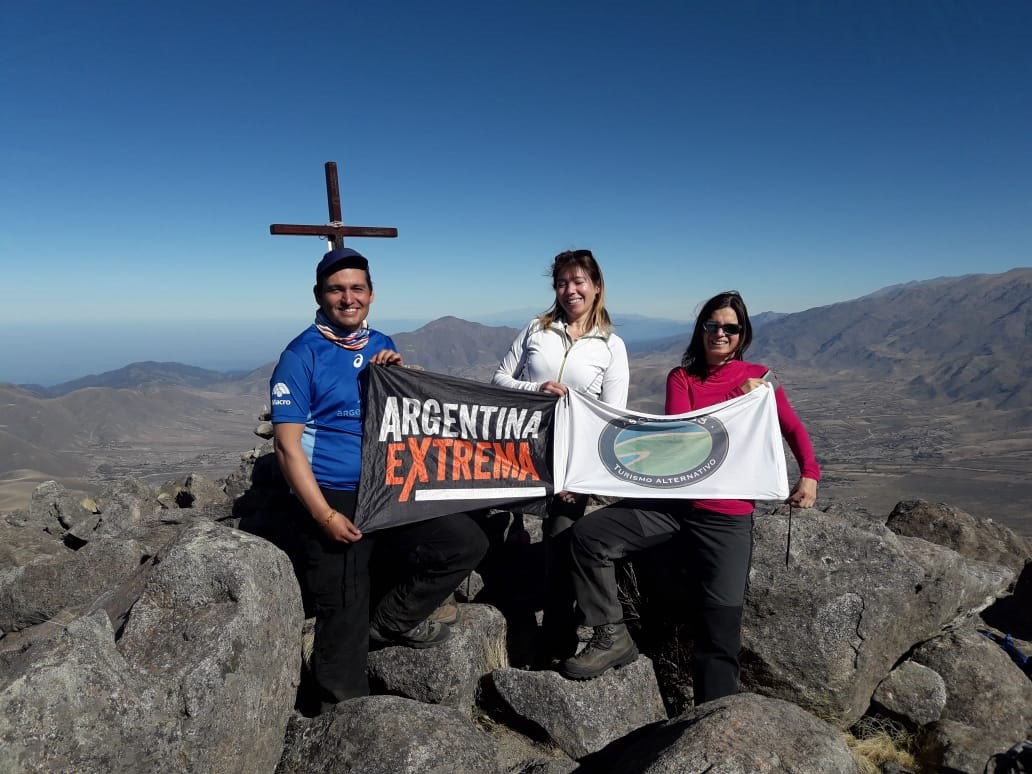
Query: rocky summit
x,y
163,629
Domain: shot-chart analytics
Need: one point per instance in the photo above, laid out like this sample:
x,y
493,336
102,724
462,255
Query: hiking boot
x,y
426,634
447,612
610,646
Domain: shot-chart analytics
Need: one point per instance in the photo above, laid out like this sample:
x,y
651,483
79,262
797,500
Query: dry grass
x,y
496,655
877,741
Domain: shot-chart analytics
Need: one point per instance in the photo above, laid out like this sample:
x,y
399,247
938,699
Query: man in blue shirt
x,y
317,413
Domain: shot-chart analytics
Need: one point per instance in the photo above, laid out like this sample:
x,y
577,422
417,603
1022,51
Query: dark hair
x,y
694,359
582,259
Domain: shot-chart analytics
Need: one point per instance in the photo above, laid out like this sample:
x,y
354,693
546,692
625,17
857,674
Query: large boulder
x,y
945,525
218,629
988,698
1013,614
825,629
387,735
449,674
735,735
210,650
37,591
518,752
581,717
51,509
913,692
73,704
124,506
20,546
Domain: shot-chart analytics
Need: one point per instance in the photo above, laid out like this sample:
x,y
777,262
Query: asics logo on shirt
x,y
357,362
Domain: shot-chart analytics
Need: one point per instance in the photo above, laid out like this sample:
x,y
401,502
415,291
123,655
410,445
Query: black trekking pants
x,y
718,549
428,560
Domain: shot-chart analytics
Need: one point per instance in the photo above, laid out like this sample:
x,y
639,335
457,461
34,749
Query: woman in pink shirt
x,y
718,532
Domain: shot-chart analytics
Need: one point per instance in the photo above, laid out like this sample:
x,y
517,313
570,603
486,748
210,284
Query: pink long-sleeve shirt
x,y
688,393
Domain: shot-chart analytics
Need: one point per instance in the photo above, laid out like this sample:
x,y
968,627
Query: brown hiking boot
x,y
447,612
426,634
610,646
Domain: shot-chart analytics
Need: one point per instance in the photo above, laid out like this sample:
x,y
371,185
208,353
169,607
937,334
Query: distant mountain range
x,y
957,338
952,339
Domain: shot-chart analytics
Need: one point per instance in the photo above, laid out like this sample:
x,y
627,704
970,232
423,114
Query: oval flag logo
x,y
663,454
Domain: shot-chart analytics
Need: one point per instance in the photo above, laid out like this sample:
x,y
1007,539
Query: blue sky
x,y
801,152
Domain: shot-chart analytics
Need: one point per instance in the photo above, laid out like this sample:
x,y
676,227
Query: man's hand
x,y
340,528
386,357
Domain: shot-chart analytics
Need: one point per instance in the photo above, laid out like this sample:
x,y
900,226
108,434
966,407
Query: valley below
x,y
876,445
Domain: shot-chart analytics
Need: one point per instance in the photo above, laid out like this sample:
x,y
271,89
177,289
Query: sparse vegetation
x,y
875,742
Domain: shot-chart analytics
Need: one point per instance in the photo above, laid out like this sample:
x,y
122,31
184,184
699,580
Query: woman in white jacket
x,y
571,346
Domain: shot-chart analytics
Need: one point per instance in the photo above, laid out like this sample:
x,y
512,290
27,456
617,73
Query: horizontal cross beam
x,y
329,231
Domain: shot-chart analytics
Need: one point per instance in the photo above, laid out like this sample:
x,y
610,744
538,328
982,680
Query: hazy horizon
x,y
49,353
46,355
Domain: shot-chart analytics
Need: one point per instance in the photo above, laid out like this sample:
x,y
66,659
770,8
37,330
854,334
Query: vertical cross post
x,y
334,231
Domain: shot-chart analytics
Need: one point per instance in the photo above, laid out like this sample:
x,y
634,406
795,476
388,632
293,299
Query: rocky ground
x,y
163,630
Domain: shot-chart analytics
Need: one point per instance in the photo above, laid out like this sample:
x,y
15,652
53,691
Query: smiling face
x,y
344,298
719,346
575,293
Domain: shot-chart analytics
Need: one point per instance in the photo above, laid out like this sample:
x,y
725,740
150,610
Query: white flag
x,y
728,451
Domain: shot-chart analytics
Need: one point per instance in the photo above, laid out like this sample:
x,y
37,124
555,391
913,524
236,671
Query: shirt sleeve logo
x,y
279,390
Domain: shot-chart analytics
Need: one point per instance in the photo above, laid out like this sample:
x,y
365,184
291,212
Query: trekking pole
x,y
788,544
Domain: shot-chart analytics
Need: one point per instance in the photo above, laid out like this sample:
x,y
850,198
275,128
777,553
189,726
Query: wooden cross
x,y
334,231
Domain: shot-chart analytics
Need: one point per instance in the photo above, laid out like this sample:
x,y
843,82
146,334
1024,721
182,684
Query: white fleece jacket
x,y
595,364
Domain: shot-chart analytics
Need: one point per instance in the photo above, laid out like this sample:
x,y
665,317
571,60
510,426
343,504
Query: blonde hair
x,y
581,259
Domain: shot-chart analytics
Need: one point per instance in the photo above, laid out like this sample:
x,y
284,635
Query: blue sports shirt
x,y
315,384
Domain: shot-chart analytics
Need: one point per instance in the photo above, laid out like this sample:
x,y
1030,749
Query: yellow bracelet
x,y
329,517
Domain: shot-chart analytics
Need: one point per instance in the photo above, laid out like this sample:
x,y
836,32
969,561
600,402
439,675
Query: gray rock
x,y
199,491
387,735
448,674
581,717
126,505
20,546
519,753
1013,613
742,734
218,631
72,704
823,631
981,539
958,747
202,679
50,509
985,691
914,692
39,590
258,468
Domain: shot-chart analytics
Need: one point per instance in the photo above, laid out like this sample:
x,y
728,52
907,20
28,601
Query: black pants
x,y
558,618
718,552
428,560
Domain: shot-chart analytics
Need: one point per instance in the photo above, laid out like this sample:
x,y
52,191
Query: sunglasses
x,y
731,329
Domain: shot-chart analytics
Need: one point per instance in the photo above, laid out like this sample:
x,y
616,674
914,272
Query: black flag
x,y
434,444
